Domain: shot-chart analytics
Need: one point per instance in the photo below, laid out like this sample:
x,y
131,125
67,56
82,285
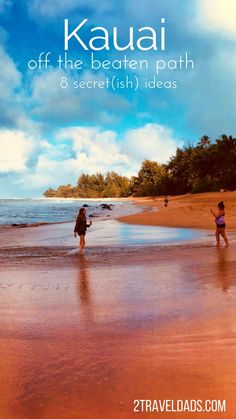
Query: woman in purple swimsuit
x,y
220,224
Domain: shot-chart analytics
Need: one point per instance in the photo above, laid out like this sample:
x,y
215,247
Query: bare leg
x,y
81,244
225,238
217,238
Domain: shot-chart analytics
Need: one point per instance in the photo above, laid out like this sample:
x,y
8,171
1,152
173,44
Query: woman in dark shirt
x,y
81,227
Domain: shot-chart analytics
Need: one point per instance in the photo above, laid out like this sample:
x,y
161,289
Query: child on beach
x,y
81,227
220,224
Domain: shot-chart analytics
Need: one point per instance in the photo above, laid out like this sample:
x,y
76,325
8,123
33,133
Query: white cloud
x,y
10,84
47,172
218,16
13,98
95,150
80,150
56,105
77,150
16,151
10,76
153,142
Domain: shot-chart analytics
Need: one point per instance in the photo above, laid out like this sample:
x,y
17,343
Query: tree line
x,y
207,166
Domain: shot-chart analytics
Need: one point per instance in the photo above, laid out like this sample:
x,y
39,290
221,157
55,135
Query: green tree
x,y
150,179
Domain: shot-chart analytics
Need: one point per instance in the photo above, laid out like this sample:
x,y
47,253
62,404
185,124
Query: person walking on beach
x,y
166,201
220,224
81,227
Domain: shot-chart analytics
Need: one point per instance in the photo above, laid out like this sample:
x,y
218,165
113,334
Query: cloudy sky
x,y
49,135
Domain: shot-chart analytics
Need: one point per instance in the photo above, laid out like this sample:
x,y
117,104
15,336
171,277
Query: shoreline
x,y
186,211
191,211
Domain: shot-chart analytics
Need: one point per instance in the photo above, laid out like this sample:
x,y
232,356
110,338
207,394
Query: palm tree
x,y
204,142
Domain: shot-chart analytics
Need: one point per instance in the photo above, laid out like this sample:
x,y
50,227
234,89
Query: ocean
x,y
40,210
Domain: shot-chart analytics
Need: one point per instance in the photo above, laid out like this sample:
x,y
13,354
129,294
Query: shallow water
x,y
103,233
128,234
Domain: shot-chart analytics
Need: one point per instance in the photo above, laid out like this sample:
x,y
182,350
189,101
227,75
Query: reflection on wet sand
x,y
84,291
159,330
223,268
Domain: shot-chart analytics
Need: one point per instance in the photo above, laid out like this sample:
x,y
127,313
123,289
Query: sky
x,y
50,135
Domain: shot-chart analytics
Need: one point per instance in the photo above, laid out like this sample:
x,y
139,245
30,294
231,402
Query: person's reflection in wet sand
x,y
222,268
84,291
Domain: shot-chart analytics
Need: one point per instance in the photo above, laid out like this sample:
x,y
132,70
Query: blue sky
x,y
48,136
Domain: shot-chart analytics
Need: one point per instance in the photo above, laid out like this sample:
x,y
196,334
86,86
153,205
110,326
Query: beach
x,y
191,211
147,312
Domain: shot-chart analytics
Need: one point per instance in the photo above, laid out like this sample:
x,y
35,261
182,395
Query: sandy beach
x,y
191,211
85,336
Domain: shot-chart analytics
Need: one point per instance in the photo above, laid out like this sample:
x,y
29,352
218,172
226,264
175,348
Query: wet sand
x,y
84,336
